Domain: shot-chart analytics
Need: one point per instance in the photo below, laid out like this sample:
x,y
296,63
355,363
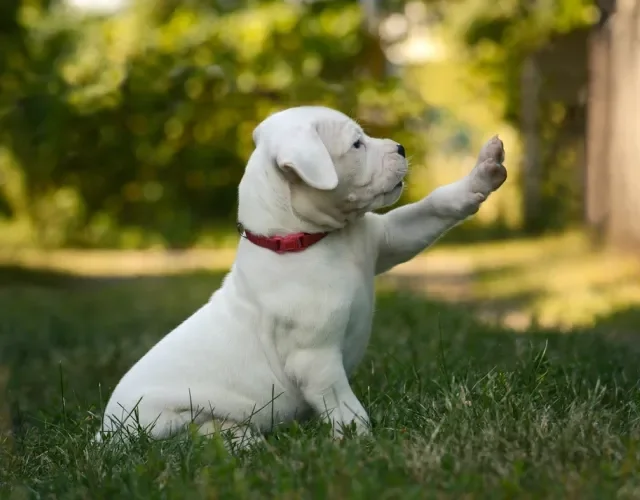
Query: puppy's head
x,y
335,172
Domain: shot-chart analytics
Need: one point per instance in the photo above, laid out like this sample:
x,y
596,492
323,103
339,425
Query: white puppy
x,y
292,318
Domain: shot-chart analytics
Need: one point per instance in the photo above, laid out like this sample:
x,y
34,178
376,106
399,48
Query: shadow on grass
x,y
455,329
472,231
16,275
622,326
462,289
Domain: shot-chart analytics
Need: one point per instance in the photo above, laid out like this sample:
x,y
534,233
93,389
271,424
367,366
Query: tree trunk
x,y
623,228
598,132
531,171
613,129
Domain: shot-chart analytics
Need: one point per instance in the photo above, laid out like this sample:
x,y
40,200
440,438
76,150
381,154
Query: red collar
x,y
295,242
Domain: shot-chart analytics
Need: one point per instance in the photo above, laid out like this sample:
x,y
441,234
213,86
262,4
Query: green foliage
x,y
497,38
460,409
500,35
132,130
144,119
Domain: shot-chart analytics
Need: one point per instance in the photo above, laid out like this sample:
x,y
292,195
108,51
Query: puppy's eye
x,y
357,144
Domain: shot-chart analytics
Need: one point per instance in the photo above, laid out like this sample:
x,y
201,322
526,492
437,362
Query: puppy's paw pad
x,y
493,149
491,173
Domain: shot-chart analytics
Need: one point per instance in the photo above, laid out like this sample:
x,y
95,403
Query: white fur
x,y
279,339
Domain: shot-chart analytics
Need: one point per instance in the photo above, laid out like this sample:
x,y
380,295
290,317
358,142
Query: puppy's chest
x,y
358,330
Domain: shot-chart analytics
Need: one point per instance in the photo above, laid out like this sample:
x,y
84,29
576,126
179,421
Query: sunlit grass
x,y
556,280
560,281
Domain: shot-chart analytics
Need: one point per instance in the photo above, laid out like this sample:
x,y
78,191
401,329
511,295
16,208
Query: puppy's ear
x,y
302,151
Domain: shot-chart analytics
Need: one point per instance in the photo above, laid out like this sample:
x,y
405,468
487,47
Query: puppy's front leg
x,y
408,230
323,381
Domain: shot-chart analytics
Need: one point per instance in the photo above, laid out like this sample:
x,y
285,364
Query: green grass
x,y
459,408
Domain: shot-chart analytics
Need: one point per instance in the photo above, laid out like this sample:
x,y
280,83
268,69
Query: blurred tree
x,y
143,119
506,43
597,188
133,128
613,175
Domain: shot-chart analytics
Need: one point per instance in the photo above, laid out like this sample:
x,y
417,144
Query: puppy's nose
x,y
401,151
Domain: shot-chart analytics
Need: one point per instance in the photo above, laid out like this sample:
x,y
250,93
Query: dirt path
x,y
558,279
439,274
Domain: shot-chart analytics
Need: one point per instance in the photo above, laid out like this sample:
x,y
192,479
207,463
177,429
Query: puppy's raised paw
x,y
489,173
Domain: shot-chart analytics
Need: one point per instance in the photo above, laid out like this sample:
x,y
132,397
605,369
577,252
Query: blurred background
x,y
125,126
